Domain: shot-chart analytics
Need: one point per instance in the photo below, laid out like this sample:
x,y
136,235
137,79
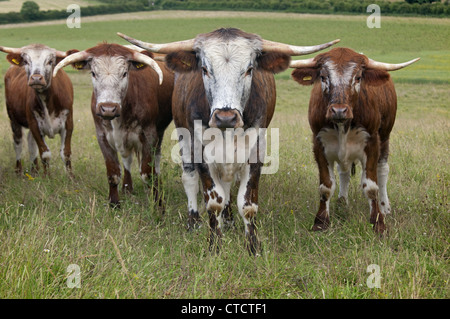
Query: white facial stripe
x,y
340,79
226,84
109,82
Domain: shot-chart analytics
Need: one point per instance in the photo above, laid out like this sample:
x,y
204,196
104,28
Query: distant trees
x,y
30,10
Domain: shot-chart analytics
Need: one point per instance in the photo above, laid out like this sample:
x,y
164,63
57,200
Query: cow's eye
x,y
323,78
358,78
249,71
205,71
93,74
125,74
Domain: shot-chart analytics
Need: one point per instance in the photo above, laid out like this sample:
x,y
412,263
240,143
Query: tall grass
x,y
46,224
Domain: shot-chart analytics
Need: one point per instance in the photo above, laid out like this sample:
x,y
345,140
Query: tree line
x,y
30,10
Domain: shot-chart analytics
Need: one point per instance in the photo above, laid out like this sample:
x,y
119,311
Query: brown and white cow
x,y
352,110
225,84
39,102
131,106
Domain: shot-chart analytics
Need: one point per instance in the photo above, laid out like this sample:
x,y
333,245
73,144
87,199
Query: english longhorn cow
x,y
225,82
352,111
131,107
36,101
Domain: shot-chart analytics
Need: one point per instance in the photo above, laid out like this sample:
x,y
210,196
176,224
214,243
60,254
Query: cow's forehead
x,y
109,64
237,50
38,51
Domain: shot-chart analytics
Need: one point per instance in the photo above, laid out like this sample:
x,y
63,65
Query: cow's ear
x,y
375,77
80,65
138,65
72,51
15,59
181,61
305,76
274,62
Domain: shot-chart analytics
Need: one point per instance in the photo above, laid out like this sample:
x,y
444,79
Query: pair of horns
x,y
188,45
137,56
372,64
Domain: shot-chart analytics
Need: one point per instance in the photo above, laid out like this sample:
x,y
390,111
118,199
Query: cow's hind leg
x,y
127,184
66,151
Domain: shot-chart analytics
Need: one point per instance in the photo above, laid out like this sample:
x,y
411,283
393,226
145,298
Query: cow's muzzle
x,y
339,113
37,81
108,111
226,118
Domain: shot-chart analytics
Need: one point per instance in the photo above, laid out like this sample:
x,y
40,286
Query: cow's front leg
x,y
190,184
44,151
18,141
214,197
370,186
247,202
326,188
112,166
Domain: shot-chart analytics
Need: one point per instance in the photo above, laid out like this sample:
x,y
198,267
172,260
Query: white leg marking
x,y
32,147
245,210
326,192
382,172
344,181
191,186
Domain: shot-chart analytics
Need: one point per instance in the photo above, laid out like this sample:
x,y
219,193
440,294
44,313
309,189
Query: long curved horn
x,y
76,57
298,64
185,45
11,50
388,66
271,46
139,57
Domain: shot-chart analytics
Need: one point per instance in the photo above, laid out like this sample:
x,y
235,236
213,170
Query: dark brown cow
x,y
224,87
131,110
36,101
351,113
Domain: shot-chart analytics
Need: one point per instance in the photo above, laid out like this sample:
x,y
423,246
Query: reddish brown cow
x,y
351,113
225,85
36,101
131,110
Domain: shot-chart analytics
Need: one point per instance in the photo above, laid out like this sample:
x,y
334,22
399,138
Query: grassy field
x,y
46,224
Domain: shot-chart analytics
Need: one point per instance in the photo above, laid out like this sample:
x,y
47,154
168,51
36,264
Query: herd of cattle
x,y
225,80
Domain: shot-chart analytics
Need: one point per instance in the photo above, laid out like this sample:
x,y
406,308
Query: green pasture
x,y
47,224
